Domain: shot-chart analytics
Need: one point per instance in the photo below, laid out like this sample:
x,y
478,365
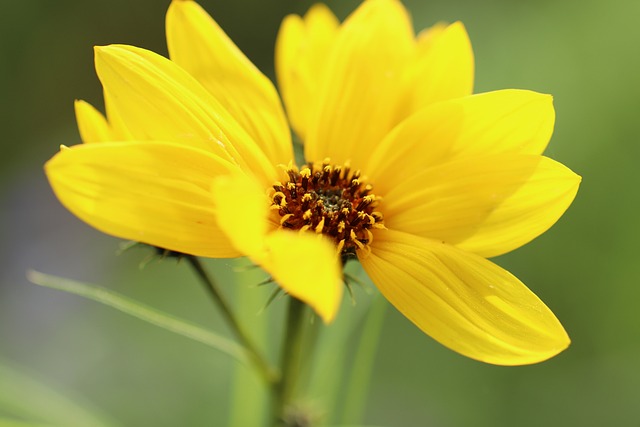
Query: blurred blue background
x,y
57,349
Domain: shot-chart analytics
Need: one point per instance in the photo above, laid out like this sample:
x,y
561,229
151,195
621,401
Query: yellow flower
x,y
407,170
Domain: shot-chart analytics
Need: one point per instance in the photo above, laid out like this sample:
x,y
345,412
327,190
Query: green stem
x,y
360,374
247,389
291,359
269,375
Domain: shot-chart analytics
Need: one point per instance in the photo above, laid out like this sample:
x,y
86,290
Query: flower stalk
x,y
291,362
266,371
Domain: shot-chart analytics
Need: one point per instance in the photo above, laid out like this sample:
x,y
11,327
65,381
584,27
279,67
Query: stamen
x,y
369,236
291,186
305,174
366,201
285,218
279,199
331,200
335,176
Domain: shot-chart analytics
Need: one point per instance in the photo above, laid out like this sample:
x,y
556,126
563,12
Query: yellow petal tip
x,y
306,266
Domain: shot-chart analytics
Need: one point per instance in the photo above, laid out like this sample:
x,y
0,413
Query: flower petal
x,y
307,267
302,48
444,68
152,192
241,207
158,100
427,37
92,124
303,264
488,205
115,119
505,121
464,301
199,45
360,94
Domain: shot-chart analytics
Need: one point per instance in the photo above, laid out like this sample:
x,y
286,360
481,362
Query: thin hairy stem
x,y
270,375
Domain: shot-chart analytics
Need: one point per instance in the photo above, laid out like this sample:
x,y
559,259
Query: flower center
x,y
331,200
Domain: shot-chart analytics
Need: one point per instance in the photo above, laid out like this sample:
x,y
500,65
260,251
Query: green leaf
x,y
141,311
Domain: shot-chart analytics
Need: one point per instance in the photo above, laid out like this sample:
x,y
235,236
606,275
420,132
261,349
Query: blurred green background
x,y
59,353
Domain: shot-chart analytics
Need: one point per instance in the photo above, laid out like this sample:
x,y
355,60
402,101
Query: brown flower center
x,y
331,200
